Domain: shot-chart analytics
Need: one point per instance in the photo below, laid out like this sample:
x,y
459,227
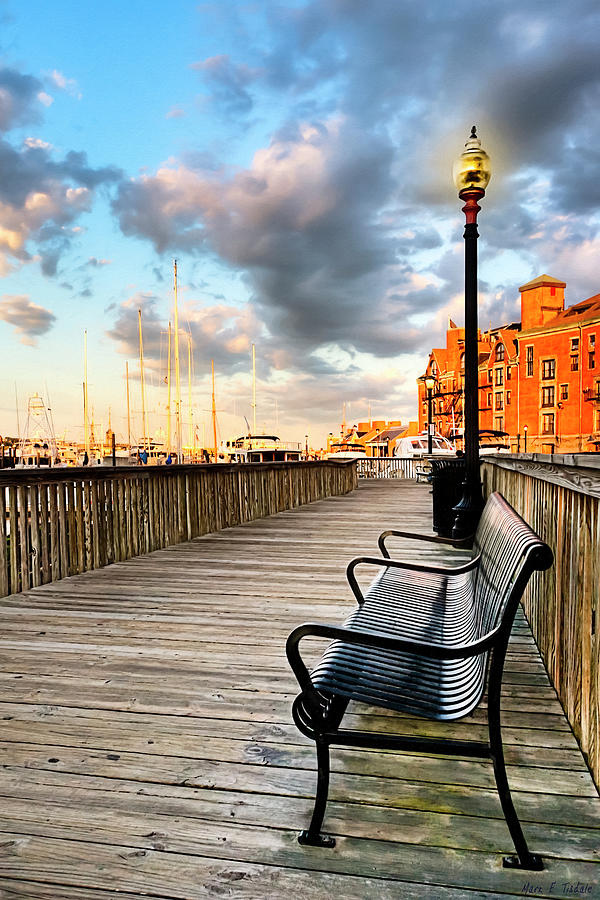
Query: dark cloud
x,y
222,333
302,223
346,228
29,320
228,84
19,102
41,199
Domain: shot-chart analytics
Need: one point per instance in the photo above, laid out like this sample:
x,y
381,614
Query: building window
x,y
499,377
591,360
499,400
499,423
564,392
529,361
548,423
548,369
508,398
574,345
548,396
508,373
574,364
500,353
597,420
490,376
489,400
592,340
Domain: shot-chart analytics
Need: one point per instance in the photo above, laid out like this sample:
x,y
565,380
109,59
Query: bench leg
x,y
523,859
312,835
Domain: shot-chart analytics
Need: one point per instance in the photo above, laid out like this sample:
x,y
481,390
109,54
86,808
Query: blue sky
x,y
295,158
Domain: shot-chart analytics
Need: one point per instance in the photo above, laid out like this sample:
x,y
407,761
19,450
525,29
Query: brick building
x,y
539,379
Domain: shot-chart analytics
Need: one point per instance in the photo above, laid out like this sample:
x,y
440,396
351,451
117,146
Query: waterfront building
x,y
539,378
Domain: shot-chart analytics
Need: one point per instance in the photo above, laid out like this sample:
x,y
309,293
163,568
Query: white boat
x,y
263,448
151,454
418,445
38,445
346,449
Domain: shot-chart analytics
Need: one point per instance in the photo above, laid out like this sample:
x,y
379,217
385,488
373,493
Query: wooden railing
x,y
60,522
387,467
560,498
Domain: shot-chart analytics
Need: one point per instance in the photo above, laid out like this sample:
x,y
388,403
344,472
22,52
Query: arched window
x,y
499,352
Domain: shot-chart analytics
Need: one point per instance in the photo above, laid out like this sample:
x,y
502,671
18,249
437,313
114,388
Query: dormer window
x,y
500,353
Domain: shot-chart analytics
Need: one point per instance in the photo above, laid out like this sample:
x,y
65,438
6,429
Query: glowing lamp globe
x,y
472,170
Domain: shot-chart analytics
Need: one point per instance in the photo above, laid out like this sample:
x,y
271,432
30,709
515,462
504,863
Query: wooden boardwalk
x,y
148,748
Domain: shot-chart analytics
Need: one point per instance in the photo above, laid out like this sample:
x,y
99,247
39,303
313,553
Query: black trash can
x,y
447,476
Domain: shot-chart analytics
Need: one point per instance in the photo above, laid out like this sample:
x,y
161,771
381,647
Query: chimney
x,y
541,300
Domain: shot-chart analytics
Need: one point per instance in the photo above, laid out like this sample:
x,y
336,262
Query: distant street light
x,y
428,382
471,173
525,438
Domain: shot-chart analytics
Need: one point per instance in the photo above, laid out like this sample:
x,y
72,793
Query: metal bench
x,y
426,640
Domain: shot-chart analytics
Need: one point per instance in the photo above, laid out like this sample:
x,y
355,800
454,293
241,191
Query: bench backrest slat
x,y
510,551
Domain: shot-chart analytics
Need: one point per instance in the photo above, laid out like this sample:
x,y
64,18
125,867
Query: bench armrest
x,y
460,543
378,640
397,564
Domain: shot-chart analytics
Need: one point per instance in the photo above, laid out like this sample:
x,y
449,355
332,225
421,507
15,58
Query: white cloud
x,y
29,320
69,85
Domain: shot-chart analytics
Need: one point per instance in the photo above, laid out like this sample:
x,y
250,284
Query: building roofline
x,y
542,280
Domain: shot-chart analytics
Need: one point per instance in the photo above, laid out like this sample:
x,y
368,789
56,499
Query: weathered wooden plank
x,y
234,840
4,552
123,799
23,535
36,536
189,876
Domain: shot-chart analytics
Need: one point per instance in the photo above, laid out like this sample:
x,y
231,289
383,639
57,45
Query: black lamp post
x,y
428,382
471,174
525,438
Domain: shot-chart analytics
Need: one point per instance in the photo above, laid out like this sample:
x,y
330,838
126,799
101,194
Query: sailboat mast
x,y
253,390
143,383
17,411
86,425
169,394
191,422
128,409
214,411
177,372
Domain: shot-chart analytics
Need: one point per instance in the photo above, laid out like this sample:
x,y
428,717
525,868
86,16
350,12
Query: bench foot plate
x,y
315,840
534,863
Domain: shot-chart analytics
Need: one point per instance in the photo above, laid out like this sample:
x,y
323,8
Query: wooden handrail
x,y
560,499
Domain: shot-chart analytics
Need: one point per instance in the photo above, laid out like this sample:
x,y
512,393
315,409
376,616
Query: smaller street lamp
x,y
525,438
428,381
